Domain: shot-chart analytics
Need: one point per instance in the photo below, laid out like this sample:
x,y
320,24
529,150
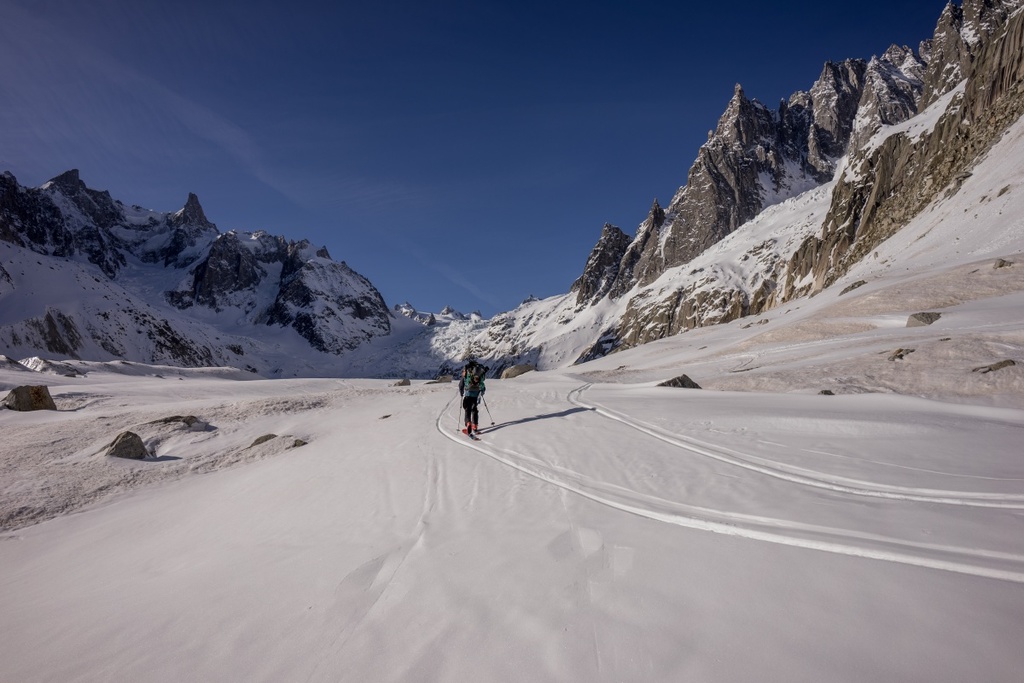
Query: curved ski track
x,y
799,475
982,563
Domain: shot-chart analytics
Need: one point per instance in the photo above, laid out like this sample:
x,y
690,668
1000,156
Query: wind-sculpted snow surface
x,y
609,475
601,529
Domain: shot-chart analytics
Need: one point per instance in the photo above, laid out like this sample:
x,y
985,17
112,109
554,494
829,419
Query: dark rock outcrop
x,y
517,370
228,268
922,319
128,445
189,229
680,382
333,307
27,398
62,218
985,369
959,36
603,265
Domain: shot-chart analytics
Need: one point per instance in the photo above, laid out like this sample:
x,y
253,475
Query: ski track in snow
x,y
981,563
800,475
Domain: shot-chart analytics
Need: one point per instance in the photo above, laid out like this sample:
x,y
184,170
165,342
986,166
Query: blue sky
x,y
456,152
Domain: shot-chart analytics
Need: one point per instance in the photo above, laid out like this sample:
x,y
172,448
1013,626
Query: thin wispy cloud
x,y
450,275
62,93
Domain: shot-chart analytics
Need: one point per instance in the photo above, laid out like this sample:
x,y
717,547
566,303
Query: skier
x,y
471,389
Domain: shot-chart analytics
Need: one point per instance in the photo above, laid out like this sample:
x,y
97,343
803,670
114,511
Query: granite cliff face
x,y
252,281
889,182
961,33
605,260
883,183
847,146
756,157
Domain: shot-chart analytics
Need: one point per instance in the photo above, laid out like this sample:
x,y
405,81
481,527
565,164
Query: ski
x,y
472,436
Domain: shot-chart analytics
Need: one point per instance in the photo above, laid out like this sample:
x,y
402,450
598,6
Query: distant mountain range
x,y
85,276
779,204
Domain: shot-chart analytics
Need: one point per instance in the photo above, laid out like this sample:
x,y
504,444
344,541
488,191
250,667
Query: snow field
x,y
571,543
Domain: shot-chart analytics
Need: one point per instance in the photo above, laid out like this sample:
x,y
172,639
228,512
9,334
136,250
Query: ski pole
x,y
487,409
458,425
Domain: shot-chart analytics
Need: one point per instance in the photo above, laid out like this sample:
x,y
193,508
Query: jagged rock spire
x,y
190,227
68,182
603,265
656,214
191,214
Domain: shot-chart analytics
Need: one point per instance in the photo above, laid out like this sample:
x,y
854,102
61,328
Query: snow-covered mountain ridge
x,y
880,143
780,204
85,276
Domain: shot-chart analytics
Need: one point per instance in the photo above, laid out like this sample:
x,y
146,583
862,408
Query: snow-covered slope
x,y
604,529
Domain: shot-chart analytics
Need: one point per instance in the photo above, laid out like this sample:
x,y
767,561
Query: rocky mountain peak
x,y
834,99
900,175
190,228
604,262
982,18
262,279
98,205
69,183
893,86
756,157
959,36
656,214
744,121
191,214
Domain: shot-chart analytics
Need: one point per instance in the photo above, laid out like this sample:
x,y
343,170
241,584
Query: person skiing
x,y
471,389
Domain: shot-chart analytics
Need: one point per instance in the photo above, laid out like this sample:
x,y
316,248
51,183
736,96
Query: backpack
x,y
473,377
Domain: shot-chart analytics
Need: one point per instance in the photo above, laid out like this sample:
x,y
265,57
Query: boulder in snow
x,y
263,439
855,285
29,398
517,370
985,369
680,382
128,445
402,383
922,319
191,422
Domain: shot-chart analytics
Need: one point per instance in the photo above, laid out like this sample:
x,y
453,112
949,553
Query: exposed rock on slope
x,y
860,147
603,265
891,180
755,158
